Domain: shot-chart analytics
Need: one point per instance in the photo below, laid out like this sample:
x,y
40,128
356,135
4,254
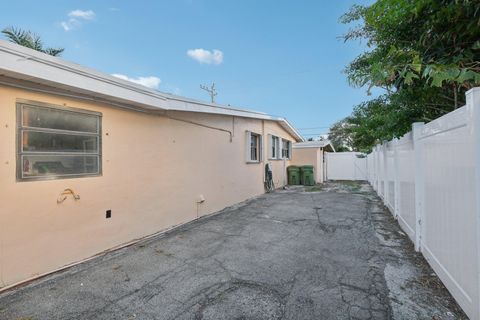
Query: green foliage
x,y
425,54
30,40
339,136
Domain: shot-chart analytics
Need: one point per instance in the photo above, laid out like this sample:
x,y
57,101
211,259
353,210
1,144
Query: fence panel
x,y
381,171
449,223
406,180
389,176
346,166
430,180
370,168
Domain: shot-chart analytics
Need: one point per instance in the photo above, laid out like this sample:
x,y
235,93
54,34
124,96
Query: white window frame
x,y
21,152
288,149
274,142
248,147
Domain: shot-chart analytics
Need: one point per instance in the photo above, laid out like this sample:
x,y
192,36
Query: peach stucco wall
x,y
310,156
154,170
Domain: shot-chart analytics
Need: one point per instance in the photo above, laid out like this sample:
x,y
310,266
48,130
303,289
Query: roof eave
x,y
21,63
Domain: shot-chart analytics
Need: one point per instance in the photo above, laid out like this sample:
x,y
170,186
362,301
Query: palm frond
x,y
36,42
53,51
15,35
30,40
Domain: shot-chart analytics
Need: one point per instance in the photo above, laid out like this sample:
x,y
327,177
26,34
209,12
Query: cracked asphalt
x,y
324,252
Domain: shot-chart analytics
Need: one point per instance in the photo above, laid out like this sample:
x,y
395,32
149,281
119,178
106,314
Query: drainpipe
x,y
263,152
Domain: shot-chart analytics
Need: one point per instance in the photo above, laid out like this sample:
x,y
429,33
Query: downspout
x,y
263,152
323,165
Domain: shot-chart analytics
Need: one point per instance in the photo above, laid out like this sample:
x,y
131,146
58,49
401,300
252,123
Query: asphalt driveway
x,y
329,252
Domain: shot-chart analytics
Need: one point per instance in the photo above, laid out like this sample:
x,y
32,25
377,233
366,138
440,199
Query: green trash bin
x,y
293,175
306,176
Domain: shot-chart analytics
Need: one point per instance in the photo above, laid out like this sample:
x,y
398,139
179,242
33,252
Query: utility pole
x,y
211,91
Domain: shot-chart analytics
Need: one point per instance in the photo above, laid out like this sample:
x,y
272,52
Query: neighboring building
x,y
139,161
312,153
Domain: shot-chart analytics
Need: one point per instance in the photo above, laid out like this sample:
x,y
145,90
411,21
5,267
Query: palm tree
x,y
30,40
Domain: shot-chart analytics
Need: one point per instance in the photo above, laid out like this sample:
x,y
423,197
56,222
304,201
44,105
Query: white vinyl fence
x,y
346,166
430,181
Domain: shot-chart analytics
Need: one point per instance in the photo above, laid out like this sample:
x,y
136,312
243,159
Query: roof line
x,y
90,73
37,66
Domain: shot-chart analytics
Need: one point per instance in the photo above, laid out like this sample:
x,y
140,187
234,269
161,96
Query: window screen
x,y
254,147
274,144
286,146
57,143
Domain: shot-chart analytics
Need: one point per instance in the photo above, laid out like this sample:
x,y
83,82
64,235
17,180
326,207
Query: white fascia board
x,y
312,144
177,104
28,64
290,129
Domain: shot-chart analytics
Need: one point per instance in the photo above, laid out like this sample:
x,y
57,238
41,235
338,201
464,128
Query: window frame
x,y
274,143
288,149
20,129
259,147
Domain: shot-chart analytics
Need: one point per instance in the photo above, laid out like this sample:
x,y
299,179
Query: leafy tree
x,y
30,40
340,136
425,54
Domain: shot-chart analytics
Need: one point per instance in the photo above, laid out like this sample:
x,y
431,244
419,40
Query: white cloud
x,y
206,56
76,17
150,82
67,26
87,15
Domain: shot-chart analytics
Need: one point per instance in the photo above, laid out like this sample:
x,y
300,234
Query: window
x,y
254,147
274,147
286,149
57,142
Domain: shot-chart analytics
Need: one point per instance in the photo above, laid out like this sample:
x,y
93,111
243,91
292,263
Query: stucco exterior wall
x,y
155,169
310,156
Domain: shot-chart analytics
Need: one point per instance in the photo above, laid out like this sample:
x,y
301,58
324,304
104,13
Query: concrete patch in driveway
x,y
329,253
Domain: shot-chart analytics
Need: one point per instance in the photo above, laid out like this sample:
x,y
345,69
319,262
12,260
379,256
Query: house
x,y
90,162
313,153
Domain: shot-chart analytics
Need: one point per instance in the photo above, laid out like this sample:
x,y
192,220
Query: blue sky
x,y
281,57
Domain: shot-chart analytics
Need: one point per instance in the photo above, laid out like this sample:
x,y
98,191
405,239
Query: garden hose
x,y
269,185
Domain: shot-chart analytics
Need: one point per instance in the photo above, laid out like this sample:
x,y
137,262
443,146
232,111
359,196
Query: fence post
x,y
473,111
385,173
419,183
374,178
396,179
373,169
378,169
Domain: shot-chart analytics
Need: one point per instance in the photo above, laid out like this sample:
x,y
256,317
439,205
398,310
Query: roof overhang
x,y
26,68
326,145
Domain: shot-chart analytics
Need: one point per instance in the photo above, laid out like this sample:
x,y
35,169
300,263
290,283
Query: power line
x,y
312,128
314,134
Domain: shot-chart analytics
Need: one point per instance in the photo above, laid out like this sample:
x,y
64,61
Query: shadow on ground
x,y
325,252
